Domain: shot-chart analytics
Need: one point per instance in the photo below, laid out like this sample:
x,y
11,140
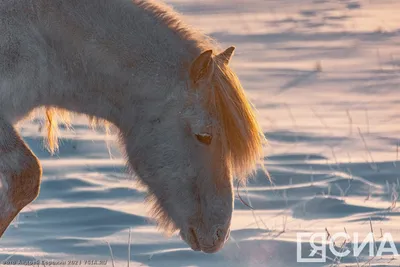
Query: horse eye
x,y
204,138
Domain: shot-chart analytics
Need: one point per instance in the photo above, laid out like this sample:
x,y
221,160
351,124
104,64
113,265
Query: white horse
x,y
184,120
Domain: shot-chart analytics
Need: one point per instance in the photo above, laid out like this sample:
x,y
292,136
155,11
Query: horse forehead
x,y
196,112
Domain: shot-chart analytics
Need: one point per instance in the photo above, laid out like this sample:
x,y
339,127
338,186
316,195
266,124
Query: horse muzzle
x,y
210,242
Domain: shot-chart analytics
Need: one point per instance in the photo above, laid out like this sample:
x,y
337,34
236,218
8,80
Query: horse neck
x,y
97,58
115,70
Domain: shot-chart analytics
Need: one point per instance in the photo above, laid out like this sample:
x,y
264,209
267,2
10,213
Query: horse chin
x,y
191,239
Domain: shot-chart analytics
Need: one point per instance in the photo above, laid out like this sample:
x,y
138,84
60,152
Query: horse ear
x,y
226,55
202,67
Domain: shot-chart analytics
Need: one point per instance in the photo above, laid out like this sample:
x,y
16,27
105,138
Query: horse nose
x,y
219,237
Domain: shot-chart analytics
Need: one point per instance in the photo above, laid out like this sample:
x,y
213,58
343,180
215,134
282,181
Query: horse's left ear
x,y
226,56
202,67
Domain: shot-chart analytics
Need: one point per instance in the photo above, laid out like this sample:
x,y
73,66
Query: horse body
x,y
136,65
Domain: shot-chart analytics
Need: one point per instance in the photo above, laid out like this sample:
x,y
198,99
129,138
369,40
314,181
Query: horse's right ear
x,y
202,67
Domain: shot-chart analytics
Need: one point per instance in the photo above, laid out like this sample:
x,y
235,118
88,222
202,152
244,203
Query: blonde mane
x,y
56,116
242,137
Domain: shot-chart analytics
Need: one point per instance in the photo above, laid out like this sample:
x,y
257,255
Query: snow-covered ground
x,y
325,77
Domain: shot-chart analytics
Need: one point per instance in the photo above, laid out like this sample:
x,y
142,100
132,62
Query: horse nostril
x,y
219,234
